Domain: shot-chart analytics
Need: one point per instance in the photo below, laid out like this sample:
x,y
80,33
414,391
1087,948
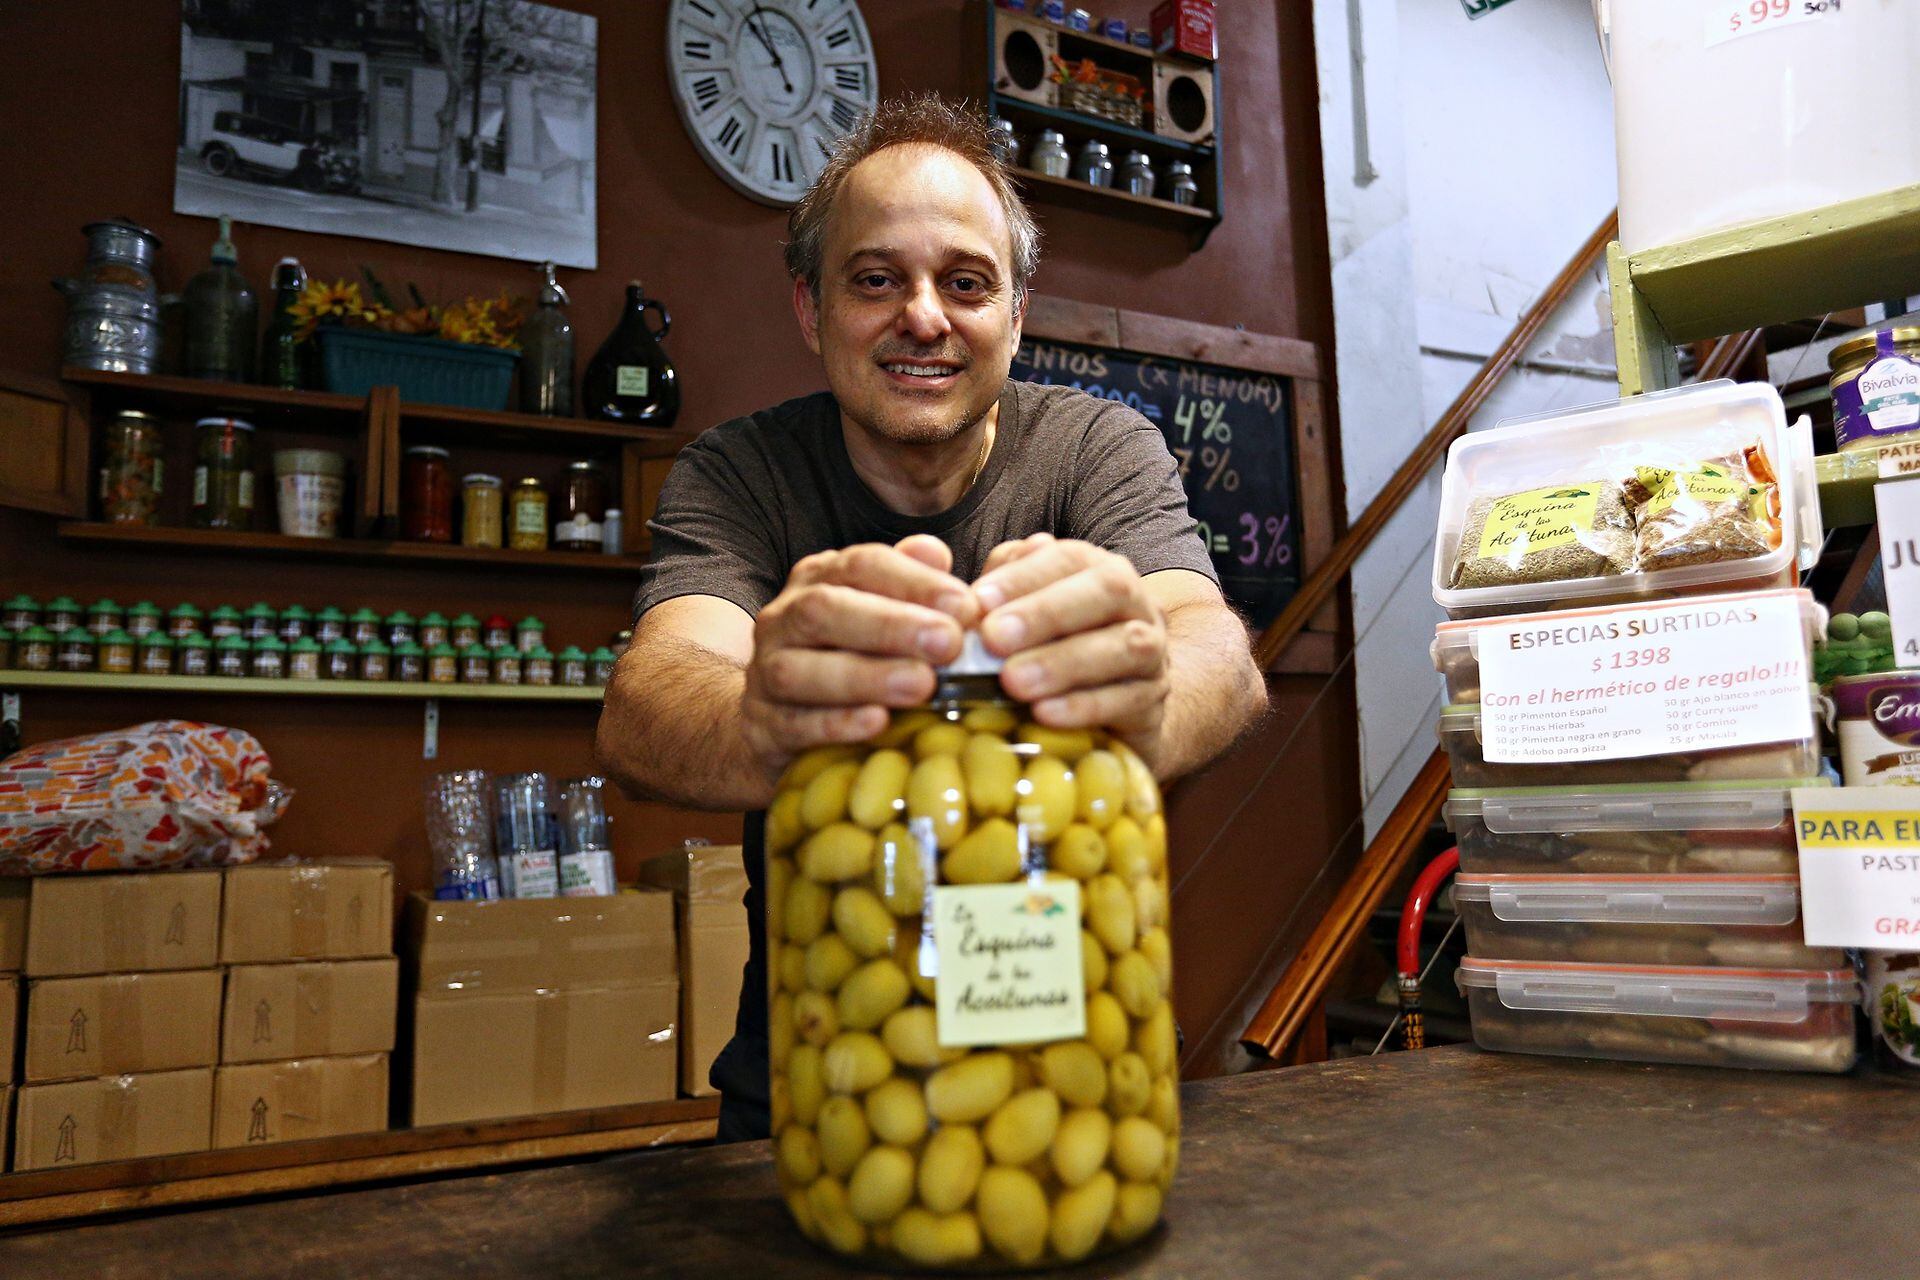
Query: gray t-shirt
x,y
749,499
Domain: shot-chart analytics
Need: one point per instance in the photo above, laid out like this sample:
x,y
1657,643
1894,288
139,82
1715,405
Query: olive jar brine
x,y
971,1033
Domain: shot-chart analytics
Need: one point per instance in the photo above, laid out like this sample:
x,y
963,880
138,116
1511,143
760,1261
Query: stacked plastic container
x,y
1644,907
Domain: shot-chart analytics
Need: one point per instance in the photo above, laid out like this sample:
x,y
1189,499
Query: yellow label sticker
x,y
1009,963
1710,484
1521,524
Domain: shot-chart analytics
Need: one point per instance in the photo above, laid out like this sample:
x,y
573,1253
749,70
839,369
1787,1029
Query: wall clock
x,y
765,86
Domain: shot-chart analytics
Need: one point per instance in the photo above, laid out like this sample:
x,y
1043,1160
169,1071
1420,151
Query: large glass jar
x,y
527,526
971,1036
426,495
583,505
223,472
480,511
132,471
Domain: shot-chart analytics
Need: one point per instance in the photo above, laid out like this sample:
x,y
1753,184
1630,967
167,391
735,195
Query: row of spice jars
x,y
196,654
576,518
1093,164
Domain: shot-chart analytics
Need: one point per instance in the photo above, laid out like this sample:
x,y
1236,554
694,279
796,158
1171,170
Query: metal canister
x,y
1049,154
1875,384
1093,165
1136,174
113,309
1179,185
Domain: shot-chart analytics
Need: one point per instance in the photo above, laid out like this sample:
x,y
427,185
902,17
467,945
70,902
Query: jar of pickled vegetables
x,y
971,1037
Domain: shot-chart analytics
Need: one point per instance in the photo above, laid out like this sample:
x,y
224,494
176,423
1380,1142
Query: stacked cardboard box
x,y
13,953
527,1006
709,886
312,986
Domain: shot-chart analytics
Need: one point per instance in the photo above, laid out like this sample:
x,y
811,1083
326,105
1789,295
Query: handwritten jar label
x,y
1009,963
1538,520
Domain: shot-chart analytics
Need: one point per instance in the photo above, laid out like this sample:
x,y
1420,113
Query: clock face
x,y
765,87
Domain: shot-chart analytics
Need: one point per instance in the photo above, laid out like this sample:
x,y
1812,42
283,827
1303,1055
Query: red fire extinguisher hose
x,y
1413,1031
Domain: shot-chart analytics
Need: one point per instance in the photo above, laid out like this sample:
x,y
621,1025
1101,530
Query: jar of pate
x,y
1875,384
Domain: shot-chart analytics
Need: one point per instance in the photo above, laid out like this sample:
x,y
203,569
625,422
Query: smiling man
x,y
814,562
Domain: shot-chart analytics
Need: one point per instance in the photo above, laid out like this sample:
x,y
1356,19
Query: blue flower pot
x,y
427,370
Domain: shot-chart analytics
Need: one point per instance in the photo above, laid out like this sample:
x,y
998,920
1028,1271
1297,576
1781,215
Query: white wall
x,y
1490,150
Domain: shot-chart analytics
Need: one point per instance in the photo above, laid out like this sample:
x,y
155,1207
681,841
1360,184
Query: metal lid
x,y
974,659
1866,344
586,464
141,414
1139,157
529,480
240,424
1053,135
427,451
481,477
1093,147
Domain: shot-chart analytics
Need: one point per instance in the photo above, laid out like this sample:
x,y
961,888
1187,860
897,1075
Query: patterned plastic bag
x,y
168,793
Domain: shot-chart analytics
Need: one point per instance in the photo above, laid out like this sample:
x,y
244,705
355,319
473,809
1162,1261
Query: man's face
x,y
916,320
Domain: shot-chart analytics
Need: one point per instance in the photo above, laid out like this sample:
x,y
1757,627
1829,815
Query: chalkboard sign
x,y
1231,433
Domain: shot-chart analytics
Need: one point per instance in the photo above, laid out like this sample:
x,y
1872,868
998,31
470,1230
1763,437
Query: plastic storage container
x,y
1770,1019
1560,482
1743,828
933,1106
1456,645
1460,736
1707,920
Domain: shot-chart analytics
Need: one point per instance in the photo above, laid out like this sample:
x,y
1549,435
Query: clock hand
x,y
772,52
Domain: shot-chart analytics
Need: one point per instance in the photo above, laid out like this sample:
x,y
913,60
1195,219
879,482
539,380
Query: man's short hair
x,y
930,120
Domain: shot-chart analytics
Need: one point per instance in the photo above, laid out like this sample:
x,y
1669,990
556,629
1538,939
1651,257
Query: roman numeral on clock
x,y
840,35
732,134
695,4
782,162
843,114
707,90
700,50
852,79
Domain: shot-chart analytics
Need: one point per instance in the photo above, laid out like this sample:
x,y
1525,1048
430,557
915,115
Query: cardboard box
x,y
121,1023
113,1118
13,923
484,1057
709,885
333,910
324,1008
263,1102
1186,26
539,944
6,1125
123,922
9,1026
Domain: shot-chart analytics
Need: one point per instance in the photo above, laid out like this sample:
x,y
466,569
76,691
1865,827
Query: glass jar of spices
x,y
1136,174
194,654
583,505
409,663
339,660
433,630
1092,165
75,649
116,653
232,656
376,661
400,628
132,472
527,524
223,621
303,659
443,664
426,495
537,665
496,632
571,666
464,631
476,665
363,627
529,634
600,665
329,624
1049,154
295,623
506,665
222,474
270,658
103,616
63,614
184,620
263,620
34,650
156,653
622,641
1179,186
144,619
480,521
20,614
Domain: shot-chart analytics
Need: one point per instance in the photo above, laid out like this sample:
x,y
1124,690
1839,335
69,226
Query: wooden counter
x,y
1444,1163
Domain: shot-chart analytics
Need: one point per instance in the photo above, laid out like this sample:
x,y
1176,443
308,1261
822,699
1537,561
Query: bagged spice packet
x,y
1725,508
1551,534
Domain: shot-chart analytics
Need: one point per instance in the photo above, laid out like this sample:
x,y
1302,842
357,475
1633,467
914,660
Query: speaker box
x,y
1023,53
1183,102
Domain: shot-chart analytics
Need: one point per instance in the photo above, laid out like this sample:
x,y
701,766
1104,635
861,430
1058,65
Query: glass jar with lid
x,y
63,615
583,505
1874,383
363,627
117,651
464,630
132,470
433,629
409,663
222,473
600,665
184,620
304,658
963,834
223,621
34,649
329,624
144,619
340,660
232,656
426,494
496,632
1092,165
529,634
376,661
263,620
443,664
1006,143
75,649
1136,174
506,665
480,520
295,623
1049,154
194,654
156,653
400,628
20,614
527,521
1179,186
103,616
570,668
270,658
537,665
476,665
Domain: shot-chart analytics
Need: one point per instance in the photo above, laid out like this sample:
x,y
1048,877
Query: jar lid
x,y
434,619
602,654
1093,147
399,618
497,620
331,614
67,603
573,653
408,650
466,620
156,640
36,635
140,414
195,640
504,651
232,642
269,644
481,478
294,612
6,636
612,512
1864,345
103,606
238,424
475,651
145,609
540,652
1138,157
524,481
317,462
116,636
23,601
374,648
974,659
261,609
184,611
224,612
441,651
305,644
531,623
427,451
340,646
365,615
1052,135
1180,166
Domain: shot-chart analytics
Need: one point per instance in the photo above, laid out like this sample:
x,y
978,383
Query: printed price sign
x,y
1731,19
1898,507
1897,460
1009,963
1859,866
1645,680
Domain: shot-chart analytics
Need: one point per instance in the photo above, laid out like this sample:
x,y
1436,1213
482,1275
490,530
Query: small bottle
x,y
329,624
1049,155
75,652
303,659
144,619
433,630
443,664
194,654
546,352
529,634
34,650
363,628
103,617
156,654
282,356
476,665
630,378
1136,174
537,665
506,665
409,663
222,315
527,527
232,656
586,855
1179,186
270,658
571,667
184,620
613,533
117,650
1093,165
376,661
340,660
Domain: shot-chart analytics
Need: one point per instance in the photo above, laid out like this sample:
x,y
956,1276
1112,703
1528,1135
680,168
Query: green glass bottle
x,y
282,354
222,316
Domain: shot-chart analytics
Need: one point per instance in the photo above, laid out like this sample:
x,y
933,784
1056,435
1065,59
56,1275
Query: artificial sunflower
x,y
338,302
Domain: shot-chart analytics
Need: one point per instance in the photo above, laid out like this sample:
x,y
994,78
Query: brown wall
x,y
91,100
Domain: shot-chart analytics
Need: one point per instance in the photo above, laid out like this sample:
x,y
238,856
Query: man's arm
x,y
1214,690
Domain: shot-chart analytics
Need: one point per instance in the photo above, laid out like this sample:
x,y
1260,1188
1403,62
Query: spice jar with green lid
x,y
103,617
409,663
295,623
443,664
184,620
156,654
340,660
144,619
74,649
376,660
329,625
600,665
116,652
537,665
21,614
223,621
63,612
465,631
263,620
303,659
232,655
400,628
194,655
433,631
6,649
363,628
34,649
572,666
506,665
270,658
476,665
530,634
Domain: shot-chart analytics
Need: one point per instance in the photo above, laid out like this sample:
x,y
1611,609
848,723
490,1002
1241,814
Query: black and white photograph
x,y
456,124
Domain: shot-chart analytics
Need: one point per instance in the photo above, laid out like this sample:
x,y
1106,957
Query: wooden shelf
x,y
1846,486
99,682
1078,125
351,550
144,390
440,424
86,1190
1080,195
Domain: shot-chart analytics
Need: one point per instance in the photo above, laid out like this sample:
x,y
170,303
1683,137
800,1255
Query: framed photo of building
x,y
456,124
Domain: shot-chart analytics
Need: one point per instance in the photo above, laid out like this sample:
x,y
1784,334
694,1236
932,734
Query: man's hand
x,y
1085,642
854,632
